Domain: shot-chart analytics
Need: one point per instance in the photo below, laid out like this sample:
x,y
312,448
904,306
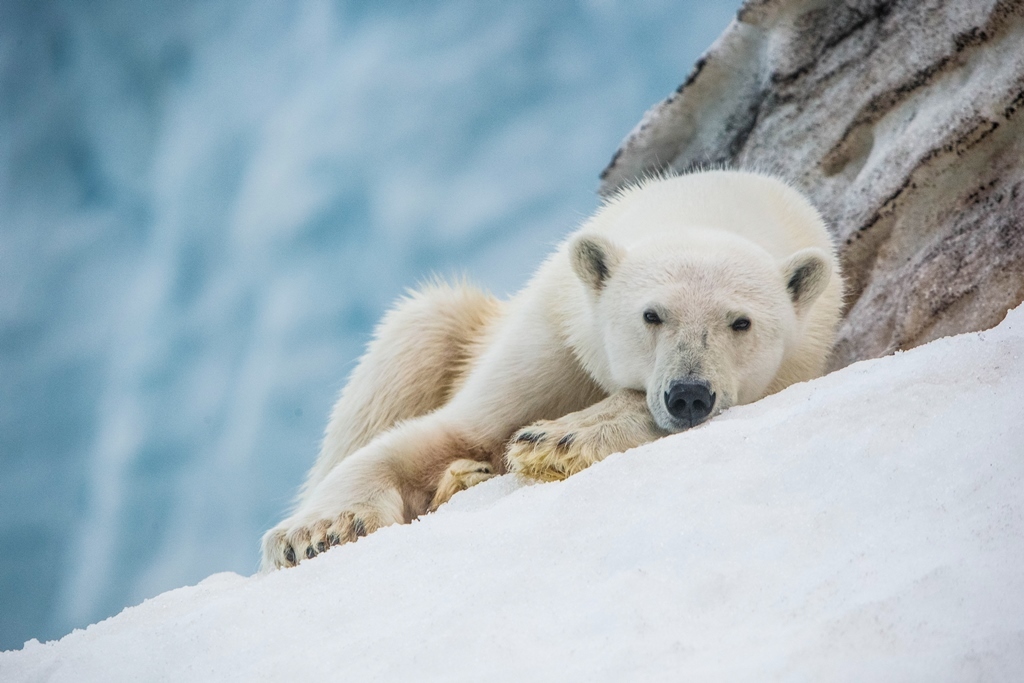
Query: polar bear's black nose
x,y
689,402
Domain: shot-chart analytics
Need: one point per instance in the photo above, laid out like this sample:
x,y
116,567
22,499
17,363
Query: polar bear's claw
x,y
529,437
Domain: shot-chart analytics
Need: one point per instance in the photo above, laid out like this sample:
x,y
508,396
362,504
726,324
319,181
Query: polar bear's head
x,y
701,324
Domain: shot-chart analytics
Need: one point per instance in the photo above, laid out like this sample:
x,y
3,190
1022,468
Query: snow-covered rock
x,y
904,121
868,525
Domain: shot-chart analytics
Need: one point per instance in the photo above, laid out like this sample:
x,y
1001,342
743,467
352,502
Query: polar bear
x,y
681,296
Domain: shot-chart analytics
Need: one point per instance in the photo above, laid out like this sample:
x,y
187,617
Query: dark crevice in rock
x,y
739,128
694,73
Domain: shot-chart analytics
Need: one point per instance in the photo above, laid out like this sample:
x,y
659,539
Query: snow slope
x,y
865,526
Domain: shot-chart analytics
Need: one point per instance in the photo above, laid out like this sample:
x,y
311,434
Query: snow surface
x,y
865,526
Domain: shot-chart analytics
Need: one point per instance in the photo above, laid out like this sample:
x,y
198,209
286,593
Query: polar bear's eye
x,y
741,324
651,318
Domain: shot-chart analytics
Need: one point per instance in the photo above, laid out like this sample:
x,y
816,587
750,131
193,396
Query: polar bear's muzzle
x,y
689,402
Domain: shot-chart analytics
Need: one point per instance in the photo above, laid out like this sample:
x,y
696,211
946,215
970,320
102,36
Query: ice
x,y
204,208
868,525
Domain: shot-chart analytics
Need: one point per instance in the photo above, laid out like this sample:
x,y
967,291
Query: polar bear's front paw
x,y
459,476
555,449
551,450
293,540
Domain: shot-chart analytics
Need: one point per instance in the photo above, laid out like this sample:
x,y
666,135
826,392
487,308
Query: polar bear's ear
x,y
806,274
593,259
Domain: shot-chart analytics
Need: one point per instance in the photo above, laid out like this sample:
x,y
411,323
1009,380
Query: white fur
x,y
457,385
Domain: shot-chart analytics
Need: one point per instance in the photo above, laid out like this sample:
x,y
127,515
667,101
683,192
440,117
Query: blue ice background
x,y
204,207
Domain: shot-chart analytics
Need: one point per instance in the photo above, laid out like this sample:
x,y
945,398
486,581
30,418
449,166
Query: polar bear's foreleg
x,y
555,449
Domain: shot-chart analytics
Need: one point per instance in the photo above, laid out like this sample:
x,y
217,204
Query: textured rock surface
x,y
904,121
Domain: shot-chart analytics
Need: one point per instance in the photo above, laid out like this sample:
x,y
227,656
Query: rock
x,y
904,122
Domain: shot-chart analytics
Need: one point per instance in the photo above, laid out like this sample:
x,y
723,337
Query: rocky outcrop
x,y
903,120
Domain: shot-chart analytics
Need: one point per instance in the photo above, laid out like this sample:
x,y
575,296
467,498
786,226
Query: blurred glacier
x,y
204,207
